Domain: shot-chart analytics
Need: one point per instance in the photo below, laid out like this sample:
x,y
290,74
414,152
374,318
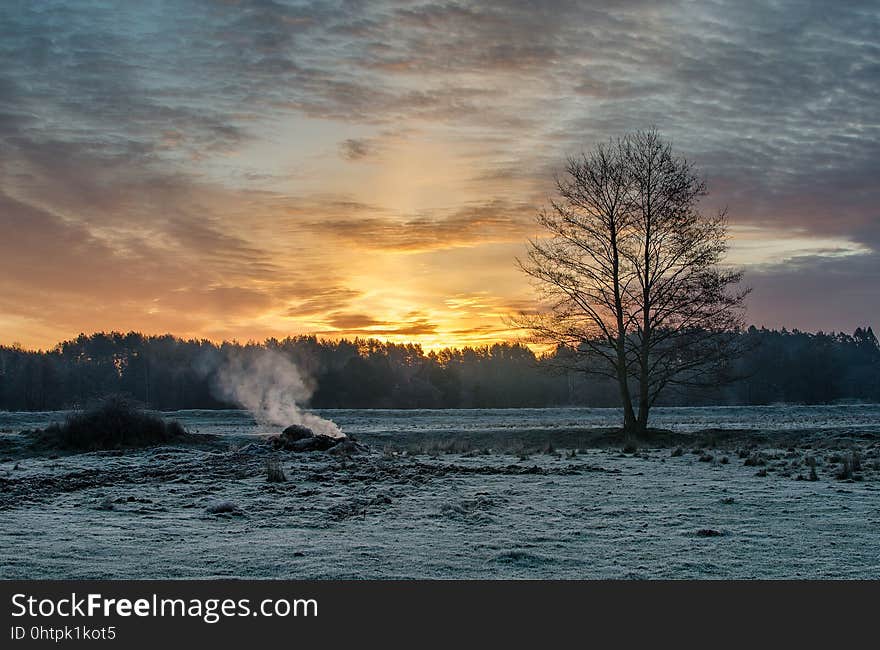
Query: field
x,y
525,493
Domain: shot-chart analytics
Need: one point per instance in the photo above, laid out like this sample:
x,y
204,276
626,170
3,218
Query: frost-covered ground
x,y
510,513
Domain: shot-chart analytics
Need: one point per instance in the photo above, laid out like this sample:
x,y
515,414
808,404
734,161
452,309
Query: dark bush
x,y
114,424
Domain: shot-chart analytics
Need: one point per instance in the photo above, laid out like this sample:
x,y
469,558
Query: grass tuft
x,y
274,471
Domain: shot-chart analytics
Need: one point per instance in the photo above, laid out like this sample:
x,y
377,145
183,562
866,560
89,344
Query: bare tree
x,y
579,270
630,273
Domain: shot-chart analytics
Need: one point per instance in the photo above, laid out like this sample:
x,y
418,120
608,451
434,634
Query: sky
x,y
247,169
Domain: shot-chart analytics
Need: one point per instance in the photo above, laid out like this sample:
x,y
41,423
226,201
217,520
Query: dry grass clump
x,y
116,423
850,466
755,460
274,471
811,463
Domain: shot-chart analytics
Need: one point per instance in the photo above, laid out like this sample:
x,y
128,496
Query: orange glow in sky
x,y
241,170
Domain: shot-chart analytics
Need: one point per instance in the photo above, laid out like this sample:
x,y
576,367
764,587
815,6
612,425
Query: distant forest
x,y
168,373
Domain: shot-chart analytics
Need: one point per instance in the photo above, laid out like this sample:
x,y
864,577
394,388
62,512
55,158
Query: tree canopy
x,y
631,272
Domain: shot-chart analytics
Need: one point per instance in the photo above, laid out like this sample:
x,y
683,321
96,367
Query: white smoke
x,y
269,385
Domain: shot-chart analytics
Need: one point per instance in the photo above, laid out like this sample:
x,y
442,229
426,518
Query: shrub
x,y
116,423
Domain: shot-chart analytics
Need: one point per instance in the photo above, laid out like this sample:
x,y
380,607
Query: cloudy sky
x,y
255,168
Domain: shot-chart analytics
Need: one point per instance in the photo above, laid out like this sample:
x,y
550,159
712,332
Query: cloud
x,y
466,227
364,325
353,321
816,292
354,149
321,301
217,302
40,250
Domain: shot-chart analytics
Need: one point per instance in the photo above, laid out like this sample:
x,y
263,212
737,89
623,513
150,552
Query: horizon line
x,y
14,345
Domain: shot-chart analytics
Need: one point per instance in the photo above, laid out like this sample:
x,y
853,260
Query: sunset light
x,y
345,188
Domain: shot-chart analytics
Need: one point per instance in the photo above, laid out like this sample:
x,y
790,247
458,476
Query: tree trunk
x,y
629,416
644,380
642,423
644,405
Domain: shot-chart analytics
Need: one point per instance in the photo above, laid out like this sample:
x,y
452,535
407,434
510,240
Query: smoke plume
x,y
270,386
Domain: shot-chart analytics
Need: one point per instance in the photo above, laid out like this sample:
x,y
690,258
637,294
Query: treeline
x,y
169,373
